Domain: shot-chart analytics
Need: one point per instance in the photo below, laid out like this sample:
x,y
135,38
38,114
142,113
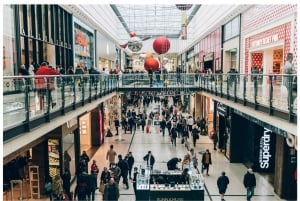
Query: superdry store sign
x,y
265,151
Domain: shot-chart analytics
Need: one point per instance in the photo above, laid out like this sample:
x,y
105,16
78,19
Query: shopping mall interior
x,y
82,77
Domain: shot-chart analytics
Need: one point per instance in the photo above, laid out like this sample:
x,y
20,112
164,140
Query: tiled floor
x,y
139,144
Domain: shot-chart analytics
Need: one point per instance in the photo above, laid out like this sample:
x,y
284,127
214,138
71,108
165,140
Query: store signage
x,y
264,41
264,149
262,123
208,57
221,109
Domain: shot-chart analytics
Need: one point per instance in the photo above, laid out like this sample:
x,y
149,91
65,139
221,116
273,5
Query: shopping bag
x,y
101,188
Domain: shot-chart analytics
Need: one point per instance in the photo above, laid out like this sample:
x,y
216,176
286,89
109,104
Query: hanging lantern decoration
x,y
184,6
135,43
151,63
161,45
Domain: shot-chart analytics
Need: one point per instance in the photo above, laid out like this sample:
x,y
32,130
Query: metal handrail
x,y
28,97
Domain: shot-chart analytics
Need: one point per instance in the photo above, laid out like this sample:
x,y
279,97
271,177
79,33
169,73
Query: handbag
x,y
48,186
101,188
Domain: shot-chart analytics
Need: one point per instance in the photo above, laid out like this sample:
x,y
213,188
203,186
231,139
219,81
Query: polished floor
x,y
162,149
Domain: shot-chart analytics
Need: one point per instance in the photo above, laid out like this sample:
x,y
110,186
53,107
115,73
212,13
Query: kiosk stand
x,y
159,185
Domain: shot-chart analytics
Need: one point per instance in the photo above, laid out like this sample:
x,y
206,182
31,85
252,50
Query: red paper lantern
x,y
151,63
161,45
184,6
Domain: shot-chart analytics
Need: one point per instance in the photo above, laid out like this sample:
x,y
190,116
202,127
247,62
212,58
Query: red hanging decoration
x,y
151,63
161,45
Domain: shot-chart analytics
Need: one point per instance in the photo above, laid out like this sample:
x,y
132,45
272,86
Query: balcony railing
x,y
28,98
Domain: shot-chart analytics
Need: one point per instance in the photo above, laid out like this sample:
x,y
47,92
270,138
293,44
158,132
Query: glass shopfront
x,y
9,40
84,46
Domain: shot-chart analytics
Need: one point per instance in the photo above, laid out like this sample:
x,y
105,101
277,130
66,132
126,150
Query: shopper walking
x,y
111,155
195,134
123,165
66,177
111,191
173,135
222,183
206,161
67,160
117,125
215,139
150,160
92,186
135,173
94,169
130,161
249,183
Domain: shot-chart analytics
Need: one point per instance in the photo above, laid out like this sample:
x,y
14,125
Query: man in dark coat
x,y
249,183
150,160
117,125
172,163
130,161
123,165
66,177
111,191
92,184
163,125
222,183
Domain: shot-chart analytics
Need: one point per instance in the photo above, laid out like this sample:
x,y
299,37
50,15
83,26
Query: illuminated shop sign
x,y
265,41
264,149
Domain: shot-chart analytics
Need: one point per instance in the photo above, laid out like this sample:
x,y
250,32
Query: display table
x,y
149,188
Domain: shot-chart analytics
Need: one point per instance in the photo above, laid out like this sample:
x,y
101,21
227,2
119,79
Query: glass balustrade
x,y
31,97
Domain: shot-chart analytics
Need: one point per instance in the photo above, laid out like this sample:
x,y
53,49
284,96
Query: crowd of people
x,y
120,165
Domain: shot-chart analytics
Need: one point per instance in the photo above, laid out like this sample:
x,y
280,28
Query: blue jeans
x,y
250,192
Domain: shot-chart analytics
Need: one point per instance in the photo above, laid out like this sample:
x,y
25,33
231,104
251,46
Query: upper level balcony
x,y
29,101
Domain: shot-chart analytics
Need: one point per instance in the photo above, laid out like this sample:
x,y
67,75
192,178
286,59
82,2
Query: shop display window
x,y
54,157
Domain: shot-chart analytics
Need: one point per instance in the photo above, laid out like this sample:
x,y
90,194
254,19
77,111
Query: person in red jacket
x,y
41,83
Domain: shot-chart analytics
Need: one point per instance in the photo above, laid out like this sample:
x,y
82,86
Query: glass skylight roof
x,y
153,20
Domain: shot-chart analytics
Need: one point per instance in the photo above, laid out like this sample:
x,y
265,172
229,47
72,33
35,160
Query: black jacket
x,y
249,180
222,182
152,160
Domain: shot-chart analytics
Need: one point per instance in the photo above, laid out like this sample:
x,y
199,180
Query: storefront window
x,y
232,28
233,60
84,47
9,59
